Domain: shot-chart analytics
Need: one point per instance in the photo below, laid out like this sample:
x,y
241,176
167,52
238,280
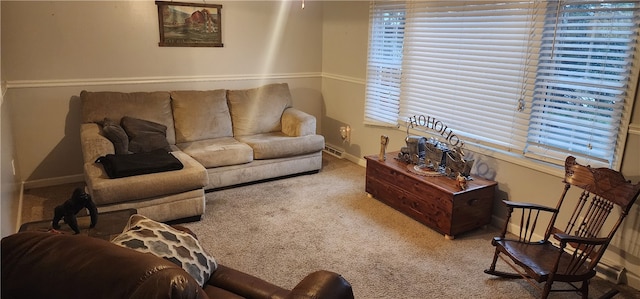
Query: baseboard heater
x,y
333,150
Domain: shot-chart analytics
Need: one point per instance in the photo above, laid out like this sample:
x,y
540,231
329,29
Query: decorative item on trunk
x,y
461,181
456,164
415,150
430,157
384,141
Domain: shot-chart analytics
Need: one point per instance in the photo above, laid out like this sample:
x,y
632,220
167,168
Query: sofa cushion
x,y
145,136
200,115
218,152
116,134
258,110
279,145
181,248
115,105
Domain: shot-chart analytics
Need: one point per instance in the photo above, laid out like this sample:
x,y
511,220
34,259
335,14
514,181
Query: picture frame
x,y
183,24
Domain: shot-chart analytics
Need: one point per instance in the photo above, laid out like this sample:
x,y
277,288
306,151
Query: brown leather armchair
x,y
46,265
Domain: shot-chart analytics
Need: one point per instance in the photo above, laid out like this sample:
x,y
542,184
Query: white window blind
x,y
583,80
540,78
384,68
466,64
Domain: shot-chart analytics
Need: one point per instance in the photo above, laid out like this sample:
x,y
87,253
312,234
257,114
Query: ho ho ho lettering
x,y
436,125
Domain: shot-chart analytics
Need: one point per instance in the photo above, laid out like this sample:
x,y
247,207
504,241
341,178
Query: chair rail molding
x,y
350,79
634,129
18,84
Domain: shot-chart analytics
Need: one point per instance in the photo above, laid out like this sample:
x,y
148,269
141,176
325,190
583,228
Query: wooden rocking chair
x,y
573,253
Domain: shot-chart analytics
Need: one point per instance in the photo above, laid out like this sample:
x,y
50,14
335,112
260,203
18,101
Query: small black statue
x,y
68,210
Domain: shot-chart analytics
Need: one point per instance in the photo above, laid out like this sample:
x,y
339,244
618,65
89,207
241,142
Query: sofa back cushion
x,y
151,106
258,110
200,115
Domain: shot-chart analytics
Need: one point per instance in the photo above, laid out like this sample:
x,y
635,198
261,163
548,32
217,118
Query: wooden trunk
x,y
435,201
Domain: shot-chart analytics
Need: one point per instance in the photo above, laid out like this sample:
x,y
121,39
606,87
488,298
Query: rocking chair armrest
x,y
526,205
565,238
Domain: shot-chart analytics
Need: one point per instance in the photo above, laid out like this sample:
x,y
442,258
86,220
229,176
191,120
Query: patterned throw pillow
x,y
145,235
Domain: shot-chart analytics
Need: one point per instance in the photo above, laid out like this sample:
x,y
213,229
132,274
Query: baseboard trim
x,y
633,280
53,181
20,200
360,161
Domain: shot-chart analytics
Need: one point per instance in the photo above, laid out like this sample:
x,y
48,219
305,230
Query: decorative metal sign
x,y
436,125
431,154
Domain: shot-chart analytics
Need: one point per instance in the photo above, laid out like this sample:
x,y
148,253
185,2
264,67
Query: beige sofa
x,y
222,137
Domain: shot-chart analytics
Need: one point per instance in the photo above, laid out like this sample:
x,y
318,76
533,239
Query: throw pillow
x,y
116,134
145,235
144,135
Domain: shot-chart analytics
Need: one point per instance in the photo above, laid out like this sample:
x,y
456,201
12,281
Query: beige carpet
x,y
284,229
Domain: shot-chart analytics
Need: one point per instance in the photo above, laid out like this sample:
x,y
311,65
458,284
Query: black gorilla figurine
x,y
68,210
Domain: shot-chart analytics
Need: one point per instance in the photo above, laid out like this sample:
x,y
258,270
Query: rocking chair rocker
x,y
573,253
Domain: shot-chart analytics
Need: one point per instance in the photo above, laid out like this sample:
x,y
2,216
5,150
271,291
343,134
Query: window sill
x,y
503,155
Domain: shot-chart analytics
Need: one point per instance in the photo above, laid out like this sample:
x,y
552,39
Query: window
x,y
542,79
385,63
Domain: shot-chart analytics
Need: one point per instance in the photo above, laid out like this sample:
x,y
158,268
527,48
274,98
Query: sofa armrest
x,y
322,284
48,265
298,123
243,284
94,144
319,285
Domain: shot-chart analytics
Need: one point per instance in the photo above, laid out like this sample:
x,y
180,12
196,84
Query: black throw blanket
x,y
119,166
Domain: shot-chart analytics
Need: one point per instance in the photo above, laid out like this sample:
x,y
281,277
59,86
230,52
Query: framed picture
x,y
189,24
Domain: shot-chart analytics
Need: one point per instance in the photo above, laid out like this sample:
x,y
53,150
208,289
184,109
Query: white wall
x,y
344,53
9,183
53,49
